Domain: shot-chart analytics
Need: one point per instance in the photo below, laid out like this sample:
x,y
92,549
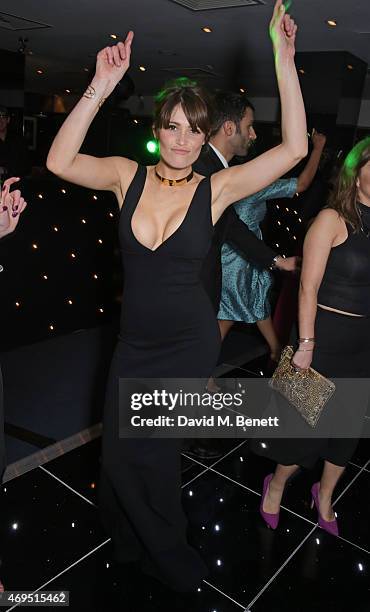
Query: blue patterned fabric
x,y
245,288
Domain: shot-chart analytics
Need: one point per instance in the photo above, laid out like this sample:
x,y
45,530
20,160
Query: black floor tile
x,y
240,372
353,511
38,540
225,526
186,463
362,453
325,575
249,469
260,365
43,528
223,445
97,584
80,469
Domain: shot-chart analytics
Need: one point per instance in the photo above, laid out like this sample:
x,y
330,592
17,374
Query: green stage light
x,y
152,147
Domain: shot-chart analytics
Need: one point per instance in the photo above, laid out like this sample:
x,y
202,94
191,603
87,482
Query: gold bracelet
x,y
90,92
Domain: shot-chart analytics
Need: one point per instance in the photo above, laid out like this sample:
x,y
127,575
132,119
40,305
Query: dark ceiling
x,y
65,36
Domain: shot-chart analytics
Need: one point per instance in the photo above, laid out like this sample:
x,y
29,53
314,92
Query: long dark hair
x,y
343,198
194,100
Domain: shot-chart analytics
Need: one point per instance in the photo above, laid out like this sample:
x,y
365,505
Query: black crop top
x,y
346,282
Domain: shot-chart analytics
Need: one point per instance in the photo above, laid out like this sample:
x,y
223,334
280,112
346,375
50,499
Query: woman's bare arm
x,y
233,184
317,245
64,159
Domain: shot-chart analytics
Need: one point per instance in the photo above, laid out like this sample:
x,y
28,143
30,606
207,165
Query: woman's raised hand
x,y
11,206
113,62
283,31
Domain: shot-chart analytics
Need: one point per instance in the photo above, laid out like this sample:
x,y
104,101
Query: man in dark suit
x,y
232,135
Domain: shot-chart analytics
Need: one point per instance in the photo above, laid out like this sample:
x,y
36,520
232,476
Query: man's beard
x,y
246,148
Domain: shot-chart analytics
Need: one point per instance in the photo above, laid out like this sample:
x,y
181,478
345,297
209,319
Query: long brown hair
x,y
194,100
344,195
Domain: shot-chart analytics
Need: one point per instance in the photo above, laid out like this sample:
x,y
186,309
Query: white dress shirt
x,y
219,155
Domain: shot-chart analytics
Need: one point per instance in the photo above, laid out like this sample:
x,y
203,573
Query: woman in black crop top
x,y
334,330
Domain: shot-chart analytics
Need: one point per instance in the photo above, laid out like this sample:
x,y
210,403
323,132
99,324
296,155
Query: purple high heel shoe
x,y
271,520
329,526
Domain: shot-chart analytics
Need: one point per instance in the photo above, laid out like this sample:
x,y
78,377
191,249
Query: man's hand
x,y
288,264
318,140
11,206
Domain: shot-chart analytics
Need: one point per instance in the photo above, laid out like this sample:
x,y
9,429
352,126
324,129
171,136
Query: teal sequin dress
x,y
245,288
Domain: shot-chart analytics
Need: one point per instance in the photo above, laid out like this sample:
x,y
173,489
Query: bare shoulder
x,y
327,228
126,169
328,214
328,219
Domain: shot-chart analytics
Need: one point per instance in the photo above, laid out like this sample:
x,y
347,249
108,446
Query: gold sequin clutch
x,y
308,391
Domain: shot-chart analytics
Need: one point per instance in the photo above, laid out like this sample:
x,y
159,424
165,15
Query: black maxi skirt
x,y
342,350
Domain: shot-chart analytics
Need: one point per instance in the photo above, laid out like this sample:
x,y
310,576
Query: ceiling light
x,y
86,70
332,23
142,68
113,36
207,30
242,90
301,71
39,71
68,91
349,66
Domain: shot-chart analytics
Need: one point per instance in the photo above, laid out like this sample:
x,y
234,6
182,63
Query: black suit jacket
x,y
231,229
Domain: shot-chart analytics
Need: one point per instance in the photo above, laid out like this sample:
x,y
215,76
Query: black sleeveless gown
x,y
168,329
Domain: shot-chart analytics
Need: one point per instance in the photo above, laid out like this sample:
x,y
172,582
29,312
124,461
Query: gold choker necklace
x,y
174,182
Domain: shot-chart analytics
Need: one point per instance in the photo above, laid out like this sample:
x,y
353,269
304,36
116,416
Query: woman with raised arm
x,y
168,327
